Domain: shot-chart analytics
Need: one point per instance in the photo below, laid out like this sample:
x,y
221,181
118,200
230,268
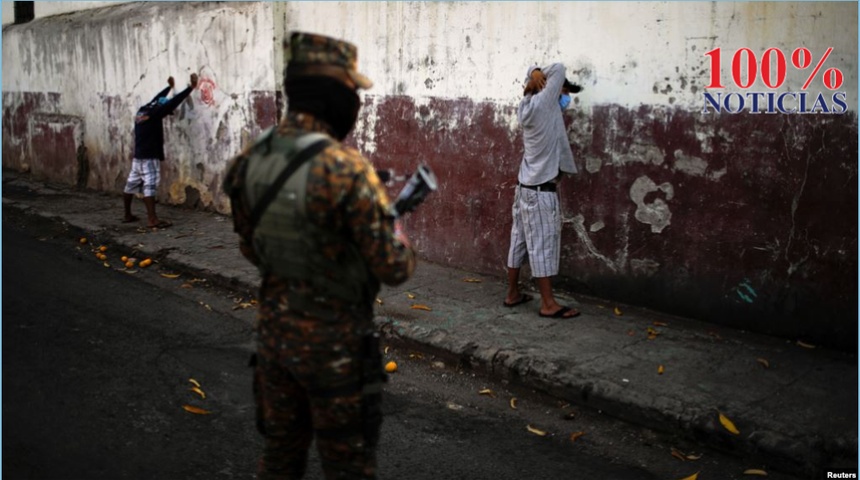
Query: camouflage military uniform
x,y
312,366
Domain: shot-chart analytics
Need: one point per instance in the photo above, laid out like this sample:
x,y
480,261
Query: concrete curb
x,y
797,455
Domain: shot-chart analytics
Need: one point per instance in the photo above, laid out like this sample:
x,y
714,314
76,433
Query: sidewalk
x,y
795,407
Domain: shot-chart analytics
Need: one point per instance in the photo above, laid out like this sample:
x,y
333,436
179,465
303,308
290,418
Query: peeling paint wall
x,y
625,53
747,220
102,64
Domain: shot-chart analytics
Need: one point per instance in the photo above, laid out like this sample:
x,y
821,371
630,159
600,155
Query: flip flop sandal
x,y
561,313
525,297
161,224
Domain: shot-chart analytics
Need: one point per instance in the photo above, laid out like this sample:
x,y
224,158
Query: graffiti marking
x,y
746,292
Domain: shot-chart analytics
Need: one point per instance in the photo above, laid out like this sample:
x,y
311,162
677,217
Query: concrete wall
x,y
748,220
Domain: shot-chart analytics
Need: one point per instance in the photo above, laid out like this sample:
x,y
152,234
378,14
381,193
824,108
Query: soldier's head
x,y
321,79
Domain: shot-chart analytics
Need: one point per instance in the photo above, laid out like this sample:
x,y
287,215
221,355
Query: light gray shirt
x,y
546,147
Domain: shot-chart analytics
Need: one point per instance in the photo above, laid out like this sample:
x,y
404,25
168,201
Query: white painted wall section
x,y
626,53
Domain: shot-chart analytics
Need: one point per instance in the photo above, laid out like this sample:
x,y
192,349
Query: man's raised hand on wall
x,y
537,80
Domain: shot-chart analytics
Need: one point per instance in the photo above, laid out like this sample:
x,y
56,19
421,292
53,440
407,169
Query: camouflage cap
x,y
312,49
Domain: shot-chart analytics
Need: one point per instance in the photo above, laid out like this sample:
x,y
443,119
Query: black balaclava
x,y
326,98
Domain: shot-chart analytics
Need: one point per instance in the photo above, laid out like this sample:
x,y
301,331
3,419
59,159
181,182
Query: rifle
x,y
420,184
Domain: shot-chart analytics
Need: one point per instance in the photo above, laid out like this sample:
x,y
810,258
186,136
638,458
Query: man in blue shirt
x,y
536,231
145,172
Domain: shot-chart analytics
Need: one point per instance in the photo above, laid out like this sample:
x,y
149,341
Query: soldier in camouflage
x,y
323,245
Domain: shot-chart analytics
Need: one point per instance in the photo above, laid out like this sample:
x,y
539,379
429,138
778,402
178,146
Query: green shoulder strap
x,y
269,195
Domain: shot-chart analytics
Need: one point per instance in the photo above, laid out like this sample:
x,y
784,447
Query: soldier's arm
x,y
388,254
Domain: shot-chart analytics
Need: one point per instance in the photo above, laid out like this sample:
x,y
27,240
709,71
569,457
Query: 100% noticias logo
x,y
773,75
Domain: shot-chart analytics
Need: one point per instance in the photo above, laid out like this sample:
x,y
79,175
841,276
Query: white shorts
x,y
536,232
144,177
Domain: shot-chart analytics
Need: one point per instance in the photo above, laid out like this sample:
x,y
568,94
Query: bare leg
x,y
513,286
126,203
150,211
548,305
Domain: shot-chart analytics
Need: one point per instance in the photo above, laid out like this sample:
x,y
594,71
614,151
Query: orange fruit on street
x,y
391,367
103,248
145,263
83,240
129,264
124,258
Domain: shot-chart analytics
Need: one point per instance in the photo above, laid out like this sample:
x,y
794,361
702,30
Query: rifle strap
x,y
266,199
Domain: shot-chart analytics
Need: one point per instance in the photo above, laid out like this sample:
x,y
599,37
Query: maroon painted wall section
x,y
18,111
265,108
57,145
467,221
748,221
763,238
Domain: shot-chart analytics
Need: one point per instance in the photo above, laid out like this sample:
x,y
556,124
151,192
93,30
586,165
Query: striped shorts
x,y
144,177
536,232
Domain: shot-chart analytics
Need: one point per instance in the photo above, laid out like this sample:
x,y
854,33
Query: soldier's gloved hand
x,y
193,80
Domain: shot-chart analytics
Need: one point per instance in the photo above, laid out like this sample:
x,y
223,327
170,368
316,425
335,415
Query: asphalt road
x,y
96,369
96,365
